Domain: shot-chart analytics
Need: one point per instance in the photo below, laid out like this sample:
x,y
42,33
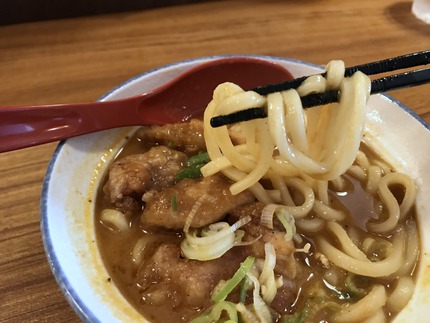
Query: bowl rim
x,y
82,310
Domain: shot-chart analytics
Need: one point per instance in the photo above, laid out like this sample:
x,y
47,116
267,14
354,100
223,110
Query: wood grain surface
x,y
79,59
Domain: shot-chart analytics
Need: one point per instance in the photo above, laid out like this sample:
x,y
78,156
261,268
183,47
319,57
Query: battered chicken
x,y
133,175
211,194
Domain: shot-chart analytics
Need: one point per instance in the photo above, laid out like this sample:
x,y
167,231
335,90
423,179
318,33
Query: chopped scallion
x,y
243,287
200,159
174,203
214,313
287,221
234,281
189,172
194,163
311,308
353,291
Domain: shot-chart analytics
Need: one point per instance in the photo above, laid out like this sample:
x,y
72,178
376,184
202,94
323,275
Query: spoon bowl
x,y
183,98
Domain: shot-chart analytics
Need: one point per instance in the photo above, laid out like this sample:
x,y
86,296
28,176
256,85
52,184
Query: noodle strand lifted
x,y
339,128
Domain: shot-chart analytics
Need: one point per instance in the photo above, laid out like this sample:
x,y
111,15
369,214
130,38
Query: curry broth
x,y
116,250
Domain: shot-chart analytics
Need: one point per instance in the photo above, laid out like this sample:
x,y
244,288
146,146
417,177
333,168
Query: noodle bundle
x,y
323,143
306,152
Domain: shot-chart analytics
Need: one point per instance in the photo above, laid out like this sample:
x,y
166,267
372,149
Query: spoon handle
x,y
22,127
183,97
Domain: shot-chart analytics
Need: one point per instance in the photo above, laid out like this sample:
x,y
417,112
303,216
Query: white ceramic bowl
x,y
76,168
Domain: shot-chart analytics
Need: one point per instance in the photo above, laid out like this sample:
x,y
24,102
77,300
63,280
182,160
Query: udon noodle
x,y
308,169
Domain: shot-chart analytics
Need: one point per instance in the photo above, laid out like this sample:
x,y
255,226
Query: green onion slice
x,y
234,281
215,313
200,159
174,203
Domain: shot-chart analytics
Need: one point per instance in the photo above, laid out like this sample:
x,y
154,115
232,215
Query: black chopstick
x,y
385,84
373,68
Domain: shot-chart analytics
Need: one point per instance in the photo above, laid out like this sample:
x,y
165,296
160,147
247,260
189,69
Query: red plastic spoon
x,y
184,97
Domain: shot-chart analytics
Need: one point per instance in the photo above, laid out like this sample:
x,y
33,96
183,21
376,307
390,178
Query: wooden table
x,y
80,59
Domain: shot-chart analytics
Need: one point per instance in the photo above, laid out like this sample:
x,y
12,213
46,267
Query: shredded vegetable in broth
x,y
291,218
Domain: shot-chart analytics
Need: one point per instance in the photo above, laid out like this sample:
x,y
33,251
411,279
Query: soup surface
x,y
332,263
